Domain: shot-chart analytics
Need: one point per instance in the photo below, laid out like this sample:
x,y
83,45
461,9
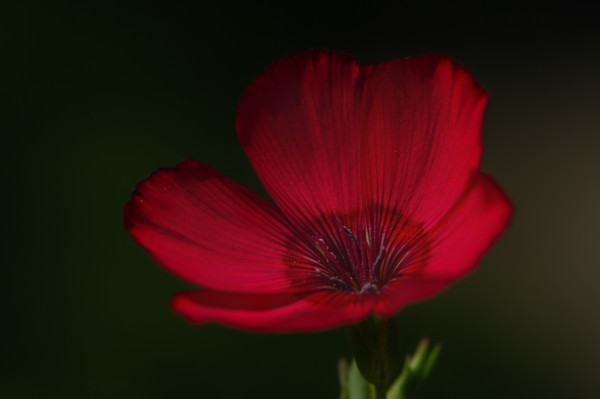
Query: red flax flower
x,y
378,197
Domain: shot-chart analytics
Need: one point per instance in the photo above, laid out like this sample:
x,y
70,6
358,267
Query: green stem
x,y
376,352
380,392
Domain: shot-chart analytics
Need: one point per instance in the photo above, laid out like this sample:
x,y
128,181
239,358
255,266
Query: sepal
x,y
376,350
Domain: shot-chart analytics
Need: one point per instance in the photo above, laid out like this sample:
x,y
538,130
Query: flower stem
x,y
376,352
380,392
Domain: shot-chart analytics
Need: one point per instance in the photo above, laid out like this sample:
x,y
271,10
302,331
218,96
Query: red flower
x,y
379,201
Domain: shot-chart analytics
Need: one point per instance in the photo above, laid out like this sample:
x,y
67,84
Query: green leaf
x,y
418,359
352,383
417,369
430,362
343,371
358,387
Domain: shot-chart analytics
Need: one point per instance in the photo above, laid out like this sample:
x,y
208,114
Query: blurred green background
x,y
97,95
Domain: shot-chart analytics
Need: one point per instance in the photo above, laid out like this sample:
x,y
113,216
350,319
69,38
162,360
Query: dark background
x,y
97,95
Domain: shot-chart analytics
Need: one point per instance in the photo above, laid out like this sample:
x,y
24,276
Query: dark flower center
x,y
359,252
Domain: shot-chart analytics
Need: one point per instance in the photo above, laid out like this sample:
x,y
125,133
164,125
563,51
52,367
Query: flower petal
x,y
299,124
275,313
426,117
209,230
326,134
457,244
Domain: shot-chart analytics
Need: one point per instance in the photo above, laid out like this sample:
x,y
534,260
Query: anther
x,y
349,233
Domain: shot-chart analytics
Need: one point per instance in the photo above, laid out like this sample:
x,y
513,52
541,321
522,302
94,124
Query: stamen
x,y
375,267
331,259
368,287
358,254
349,232
333,279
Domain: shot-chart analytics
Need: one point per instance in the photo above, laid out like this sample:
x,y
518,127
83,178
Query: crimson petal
x,y
457,244
209,230
326,134
275,313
